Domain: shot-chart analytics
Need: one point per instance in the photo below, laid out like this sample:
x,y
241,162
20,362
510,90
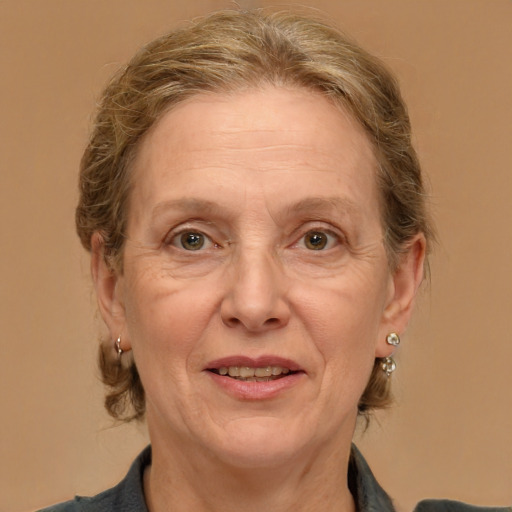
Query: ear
x,y
107,283
404,284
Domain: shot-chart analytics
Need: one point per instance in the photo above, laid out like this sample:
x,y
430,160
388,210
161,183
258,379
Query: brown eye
x,y
192,241
316,240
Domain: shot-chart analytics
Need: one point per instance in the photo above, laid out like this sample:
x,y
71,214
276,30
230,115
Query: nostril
x,y
269,323
232,322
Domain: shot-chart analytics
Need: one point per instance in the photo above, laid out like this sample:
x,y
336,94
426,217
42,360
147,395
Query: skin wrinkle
x,y
177,310
310,208
179,306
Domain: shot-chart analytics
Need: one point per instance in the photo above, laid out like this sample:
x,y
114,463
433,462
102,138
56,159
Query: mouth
x,y
255,379
262,369
253,374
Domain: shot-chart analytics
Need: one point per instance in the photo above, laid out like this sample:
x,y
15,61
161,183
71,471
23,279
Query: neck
x,y
178,481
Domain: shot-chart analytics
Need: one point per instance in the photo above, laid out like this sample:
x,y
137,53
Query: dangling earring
x,y
117,346
388,365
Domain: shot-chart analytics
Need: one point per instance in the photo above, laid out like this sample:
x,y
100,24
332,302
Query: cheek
x,y
343,317
166,316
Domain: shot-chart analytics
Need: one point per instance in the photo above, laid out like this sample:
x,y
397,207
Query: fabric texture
x,y
128,495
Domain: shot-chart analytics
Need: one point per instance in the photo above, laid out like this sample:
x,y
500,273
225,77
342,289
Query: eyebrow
x,y
324,205
306,206
192,205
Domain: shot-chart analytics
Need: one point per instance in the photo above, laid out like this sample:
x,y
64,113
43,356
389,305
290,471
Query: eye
x,y
319,240
191,241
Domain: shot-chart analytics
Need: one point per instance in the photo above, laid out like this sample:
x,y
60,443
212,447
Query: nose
x,y
255,299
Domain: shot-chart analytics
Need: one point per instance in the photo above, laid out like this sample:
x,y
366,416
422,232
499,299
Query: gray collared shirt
x,y
128,495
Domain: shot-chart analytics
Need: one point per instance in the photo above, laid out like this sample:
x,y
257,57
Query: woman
x,y
258,231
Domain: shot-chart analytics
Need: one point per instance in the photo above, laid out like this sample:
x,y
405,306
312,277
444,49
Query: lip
x,y
253,390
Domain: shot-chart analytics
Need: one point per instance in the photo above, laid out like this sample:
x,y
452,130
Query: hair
x,y
229,51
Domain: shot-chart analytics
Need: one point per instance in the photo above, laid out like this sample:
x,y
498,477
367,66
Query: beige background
x,y
450,434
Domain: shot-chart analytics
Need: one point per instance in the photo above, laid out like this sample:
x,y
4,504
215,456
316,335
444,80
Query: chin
x,y
261,443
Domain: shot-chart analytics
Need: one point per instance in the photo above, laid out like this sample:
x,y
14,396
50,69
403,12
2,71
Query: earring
x,y
393,339
388,365
117,346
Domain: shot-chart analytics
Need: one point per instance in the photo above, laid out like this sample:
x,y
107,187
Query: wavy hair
x,y
231,51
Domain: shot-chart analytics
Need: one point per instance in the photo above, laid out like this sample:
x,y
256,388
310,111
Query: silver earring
x,y
388,365
393,339
118,348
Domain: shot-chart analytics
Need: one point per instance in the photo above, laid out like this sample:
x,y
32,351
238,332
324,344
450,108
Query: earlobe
x,y
107,286
405,283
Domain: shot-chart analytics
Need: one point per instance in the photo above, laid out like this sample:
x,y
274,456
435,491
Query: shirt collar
x,y
368,494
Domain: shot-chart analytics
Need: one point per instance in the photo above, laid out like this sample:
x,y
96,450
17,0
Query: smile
x,y
251,374
255,378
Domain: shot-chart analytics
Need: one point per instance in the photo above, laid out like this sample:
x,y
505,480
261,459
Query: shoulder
x,y
107,501
454,506
127,496
103,502
370,497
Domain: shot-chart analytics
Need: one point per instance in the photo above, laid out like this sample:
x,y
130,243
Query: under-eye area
x,y
249,374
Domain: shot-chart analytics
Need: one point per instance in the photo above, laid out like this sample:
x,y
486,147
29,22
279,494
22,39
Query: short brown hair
x,y
229,51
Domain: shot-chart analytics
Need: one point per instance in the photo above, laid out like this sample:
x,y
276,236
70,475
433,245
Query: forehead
x,y
270,138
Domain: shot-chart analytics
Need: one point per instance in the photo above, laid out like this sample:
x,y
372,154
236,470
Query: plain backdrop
x,y
450,432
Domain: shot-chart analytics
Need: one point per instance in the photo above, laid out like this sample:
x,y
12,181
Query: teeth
x,y
234,371
263,372
247,373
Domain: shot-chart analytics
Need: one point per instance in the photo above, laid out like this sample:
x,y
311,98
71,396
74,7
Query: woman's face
x,y
254,246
